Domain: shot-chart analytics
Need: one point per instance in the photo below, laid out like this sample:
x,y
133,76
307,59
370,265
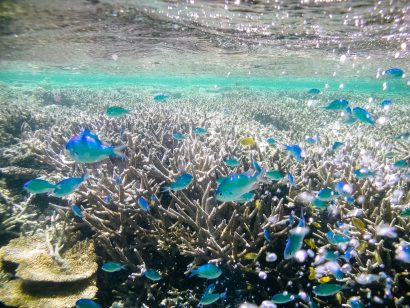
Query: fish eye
x,y
220,194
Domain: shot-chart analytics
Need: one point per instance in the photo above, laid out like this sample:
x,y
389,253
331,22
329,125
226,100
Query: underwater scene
x,y
192,153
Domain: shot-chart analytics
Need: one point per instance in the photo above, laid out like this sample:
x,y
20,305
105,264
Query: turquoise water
x,y
110,102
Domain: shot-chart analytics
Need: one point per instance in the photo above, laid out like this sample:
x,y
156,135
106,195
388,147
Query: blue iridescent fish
x,y
271,141
327,194
152,275
161,97
363,115
108,198
116,111
266,235
38,186
295,150
386,104
208,297
314,91
337,104
336,145
181,182
86,303
87,148
143,204
284,297
208,271
363,173
68,186
395,72
77,211
237,187
199,131
295,239
336,239
117,180
111,267
178,136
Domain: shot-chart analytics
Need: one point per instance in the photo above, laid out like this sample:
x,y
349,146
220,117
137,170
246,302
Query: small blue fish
x,y
331,255
386,104
275,175
208,271
284,297
116,111
363,115
363,173
152,275
319,204
337,104
349,199
295,150
355,302
312,140
160,97
199,131
211,298
395,72
181,182
336,239
232,162
38,186
291,180
295,239
86,303
143,204
87,148
77,211
401,164
327,289
111,267
314,91
108,198
340,188
271,141
233,187
154,200
336,145
68,186
178,136
327,194
117,180
266,235
348,254
403,252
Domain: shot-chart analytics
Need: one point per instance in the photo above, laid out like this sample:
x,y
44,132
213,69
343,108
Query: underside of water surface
x,y
267,140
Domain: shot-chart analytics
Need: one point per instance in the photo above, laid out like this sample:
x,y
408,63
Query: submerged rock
x,y
38,281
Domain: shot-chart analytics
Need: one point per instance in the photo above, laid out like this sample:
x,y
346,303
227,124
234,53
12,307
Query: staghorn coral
x,y
189,227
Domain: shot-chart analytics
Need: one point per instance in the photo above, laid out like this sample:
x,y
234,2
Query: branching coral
x,y
189,227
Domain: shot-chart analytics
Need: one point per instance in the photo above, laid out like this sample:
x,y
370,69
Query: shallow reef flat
x,y
182,229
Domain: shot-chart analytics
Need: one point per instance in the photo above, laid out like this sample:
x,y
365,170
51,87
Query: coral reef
x,y
189,227
38,281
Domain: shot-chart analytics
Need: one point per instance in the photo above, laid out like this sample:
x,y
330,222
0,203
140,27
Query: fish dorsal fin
x,y
87,133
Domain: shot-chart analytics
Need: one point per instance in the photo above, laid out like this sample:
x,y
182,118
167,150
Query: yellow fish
x,y
258,204
359,224
324,279
310,243
247,141
312,274
339,298
362,247
316,225
250,256
378,258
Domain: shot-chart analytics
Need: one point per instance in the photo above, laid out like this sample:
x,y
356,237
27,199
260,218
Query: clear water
x,y
237,68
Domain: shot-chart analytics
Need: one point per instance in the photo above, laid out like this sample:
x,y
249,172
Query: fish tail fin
x,y
85,176
223,295
118,151
257,167
166,188
192,273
